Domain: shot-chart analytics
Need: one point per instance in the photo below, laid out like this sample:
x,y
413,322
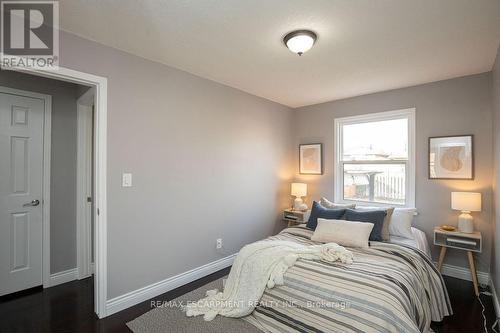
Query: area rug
x,y
168,317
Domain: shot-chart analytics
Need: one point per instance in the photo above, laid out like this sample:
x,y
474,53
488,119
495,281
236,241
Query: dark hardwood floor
x,y
467,309
69,308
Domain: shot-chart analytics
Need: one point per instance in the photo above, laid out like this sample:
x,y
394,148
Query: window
x,y
374,158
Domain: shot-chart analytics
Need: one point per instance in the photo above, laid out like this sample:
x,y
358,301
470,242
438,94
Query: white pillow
x,y
387,220
342,232
401,220
328,204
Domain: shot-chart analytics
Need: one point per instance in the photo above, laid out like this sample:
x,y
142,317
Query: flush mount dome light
x,y
300,41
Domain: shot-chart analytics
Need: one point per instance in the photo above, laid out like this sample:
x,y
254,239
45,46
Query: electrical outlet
x,y
219,244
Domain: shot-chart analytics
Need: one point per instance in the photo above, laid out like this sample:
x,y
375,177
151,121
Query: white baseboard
x,y
464,274
63,277
496,304
143,294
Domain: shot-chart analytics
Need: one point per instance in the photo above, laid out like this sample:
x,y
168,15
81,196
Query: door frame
x,y
45,199
84,151
100,84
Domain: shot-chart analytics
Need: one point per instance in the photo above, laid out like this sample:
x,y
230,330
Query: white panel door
x,y
21,162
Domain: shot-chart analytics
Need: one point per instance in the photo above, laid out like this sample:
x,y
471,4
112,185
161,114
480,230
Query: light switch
x,y
127,180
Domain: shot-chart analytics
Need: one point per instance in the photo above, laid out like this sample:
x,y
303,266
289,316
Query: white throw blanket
x,y
258,265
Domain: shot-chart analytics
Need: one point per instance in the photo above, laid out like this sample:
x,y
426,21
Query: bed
x,y
390,287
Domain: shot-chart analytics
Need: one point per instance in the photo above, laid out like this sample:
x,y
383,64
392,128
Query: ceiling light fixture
x,y
300,41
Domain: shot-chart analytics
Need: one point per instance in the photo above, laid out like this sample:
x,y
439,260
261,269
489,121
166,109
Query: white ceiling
x,y
364,46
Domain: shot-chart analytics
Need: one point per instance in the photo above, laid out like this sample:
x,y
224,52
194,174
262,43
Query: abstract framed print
x,y
451,157
311,159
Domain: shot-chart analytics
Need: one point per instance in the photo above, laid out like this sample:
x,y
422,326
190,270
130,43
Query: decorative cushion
x,y
401,221
385,228
328,204
318,211
373,216
345,233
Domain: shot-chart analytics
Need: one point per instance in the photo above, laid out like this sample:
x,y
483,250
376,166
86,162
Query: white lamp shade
x,y
299,189
466,201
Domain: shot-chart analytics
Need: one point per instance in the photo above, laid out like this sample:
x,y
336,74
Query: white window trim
x,y
388,115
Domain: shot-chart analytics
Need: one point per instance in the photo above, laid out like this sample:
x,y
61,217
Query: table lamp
x,y
466,202
299,190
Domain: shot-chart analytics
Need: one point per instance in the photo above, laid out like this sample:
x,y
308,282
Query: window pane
x,y
378,140
384,183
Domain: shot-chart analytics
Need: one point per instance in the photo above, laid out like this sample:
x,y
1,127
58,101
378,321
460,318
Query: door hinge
x,y
98,212
89,199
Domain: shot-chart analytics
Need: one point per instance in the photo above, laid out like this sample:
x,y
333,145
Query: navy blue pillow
x,y
372,216
318,211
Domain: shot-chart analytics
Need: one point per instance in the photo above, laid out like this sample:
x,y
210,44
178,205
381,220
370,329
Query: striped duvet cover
x,y
388,288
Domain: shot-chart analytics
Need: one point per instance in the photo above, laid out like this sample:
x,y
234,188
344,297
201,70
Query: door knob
x,y
32,203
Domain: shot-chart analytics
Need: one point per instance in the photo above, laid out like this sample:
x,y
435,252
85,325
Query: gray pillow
x,y
328,204
385,228
374,216
318,211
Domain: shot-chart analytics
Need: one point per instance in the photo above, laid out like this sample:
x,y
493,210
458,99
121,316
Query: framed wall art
x,y
311,159
451,157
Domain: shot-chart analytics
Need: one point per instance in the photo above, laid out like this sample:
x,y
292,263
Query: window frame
x,y
410,166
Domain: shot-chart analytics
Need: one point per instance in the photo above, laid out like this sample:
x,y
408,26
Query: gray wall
x,y
495,256
208,161
63,163
458,106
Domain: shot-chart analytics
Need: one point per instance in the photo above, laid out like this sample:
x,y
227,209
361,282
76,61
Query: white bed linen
x,y
419,241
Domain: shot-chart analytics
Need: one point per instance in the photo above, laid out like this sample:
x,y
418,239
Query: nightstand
x,y
458,240
294,217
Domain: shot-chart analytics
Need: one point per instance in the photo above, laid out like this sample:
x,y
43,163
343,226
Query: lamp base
x,y
298,204
466,223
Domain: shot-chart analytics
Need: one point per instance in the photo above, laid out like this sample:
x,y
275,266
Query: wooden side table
x,y
458,240
294,217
